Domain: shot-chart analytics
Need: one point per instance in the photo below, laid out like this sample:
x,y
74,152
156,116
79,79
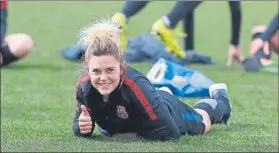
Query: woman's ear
x,y
122,67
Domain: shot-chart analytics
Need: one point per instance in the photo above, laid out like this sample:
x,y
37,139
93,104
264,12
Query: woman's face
x,y
105,73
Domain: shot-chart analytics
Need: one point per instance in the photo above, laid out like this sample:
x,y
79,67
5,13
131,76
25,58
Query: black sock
x,y
180,9
188,27
130,8
7,56
216,109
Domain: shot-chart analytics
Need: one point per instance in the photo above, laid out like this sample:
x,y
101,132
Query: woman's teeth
x,y
104,84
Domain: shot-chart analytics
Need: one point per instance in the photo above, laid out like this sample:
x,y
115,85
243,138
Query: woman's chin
x,y
105,92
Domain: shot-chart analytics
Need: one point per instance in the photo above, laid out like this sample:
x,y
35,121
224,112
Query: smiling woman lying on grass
x,y
122,101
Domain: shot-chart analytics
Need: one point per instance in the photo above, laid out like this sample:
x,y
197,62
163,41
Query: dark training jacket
x,y
134,106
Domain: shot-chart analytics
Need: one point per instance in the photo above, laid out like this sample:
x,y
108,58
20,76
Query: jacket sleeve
x,y
156,120
79,102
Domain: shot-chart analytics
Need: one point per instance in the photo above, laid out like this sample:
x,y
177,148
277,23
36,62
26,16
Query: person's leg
x,y
216,110
274,41
191,55
236,18
188,120
4,14
130,8
188,27
261,61
198,119
206,120
164,27
15,47
256,32
180,9
234,50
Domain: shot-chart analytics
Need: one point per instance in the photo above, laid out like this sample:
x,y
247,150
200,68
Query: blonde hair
x,y
100,38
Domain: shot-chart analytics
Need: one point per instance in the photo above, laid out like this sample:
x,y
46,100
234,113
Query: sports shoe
x,y
219,92
194,57
120,18
168,37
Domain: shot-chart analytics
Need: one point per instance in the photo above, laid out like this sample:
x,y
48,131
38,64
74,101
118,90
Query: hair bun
x,y
102,29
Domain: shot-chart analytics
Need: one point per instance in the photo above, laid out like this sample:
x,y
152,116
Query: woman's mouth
x,y
104,85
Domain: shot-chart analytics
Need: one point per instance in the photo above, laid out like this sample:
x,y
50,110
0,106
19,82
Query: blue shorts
x,y
186,118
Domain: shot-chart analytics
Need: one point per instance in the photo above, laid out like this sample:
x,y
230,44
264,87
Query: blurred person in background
x,y
164,27
265,40
13,46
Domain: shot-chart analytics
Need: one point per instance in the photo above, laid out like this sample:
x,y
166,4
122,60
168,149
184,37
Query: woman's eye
x,y
96,71
110,70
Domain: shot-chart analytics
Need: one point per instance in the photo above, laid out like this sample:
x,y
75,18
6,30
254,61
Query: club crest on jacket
x,y
121,112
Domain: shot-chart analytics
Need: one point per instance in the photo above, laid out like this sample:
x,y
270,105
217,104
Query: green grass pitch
x,y
37,93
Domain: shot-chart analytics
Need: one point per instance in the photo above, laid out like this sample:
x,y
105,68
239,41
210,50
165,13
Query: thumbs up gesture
x,y
85,123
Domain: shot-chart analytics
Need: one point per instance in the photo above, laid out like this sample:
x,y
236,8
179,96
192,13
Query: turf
x,y
37,93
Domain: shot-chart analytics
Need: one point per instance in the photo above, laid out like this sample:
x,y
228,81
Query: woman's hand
x,y
85,123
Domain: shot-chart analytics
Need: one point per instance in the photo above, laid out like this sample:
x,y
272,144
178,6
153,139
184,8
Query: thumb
x,y
84,110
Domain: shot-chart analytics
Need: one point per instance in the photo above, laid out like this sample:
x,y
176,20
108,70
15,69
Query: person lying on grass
x,y
121,100
265,40
265,36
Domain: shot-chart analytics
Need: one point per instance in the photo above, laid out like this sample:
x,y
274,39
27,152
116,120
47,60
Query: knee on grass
x,y
16,46
258,29
20,44
273,40
206,120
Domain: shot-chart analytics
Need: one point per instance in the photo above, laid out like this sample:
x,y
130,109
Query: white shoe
x,y
217,86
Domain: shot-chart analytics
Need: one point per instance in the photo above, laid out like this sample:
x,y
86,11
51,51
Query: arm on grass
x,y
79,102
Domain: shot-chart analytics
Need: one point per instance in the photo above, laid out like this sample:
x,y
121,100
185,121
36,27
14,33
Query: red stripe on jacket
x,y
141,97
81,79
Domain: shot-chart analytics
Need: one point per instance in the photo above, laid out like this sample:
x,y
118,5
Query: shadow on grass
x,y
240,127
236,127
101,138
